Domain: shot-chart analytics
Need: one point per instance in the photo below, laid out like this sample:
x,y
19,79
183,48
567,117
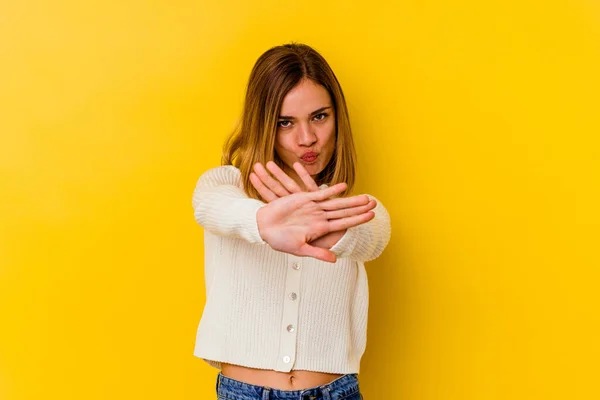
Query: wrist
x,y
329,240
261,225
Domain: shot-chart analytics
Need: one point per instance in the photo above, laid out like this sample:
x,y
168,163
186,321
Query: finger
x,y
269,182
290,185
305,176
344,202
326,193
349,212
349,222
317,252
265,193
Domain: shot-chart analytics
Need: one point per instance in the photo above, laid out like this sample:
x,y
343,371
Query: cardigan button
x,y
291,328
293,296
287,359
296,266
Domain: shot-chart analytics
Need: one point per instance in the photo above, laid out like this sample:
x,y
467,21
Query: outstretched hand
x,y
305,223
271,188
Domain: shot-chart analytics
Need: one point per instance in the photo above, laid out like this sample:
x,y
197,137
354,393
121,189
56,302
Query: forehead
x,y
304,98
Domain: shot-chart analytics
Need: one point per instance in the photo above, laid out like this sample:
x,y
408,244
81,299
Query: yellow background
x,y
476,124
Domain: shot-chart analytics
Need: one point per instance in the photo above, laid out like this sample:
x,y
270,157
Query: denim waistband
x,y
231,389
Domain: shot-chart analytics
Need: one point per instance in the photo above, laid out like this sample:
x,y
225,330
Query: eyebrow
x,y
320,110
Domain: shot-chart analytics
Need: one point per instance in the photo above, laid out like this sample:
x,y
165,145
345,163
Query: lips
x,y
309,157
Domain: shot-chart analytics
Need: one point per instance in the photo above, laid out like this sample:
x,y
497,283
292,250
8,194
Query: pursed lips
x,y
309,155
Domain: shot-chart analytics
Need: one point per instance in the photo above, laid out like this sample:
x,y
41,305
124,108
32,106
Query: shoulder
x,y
222,175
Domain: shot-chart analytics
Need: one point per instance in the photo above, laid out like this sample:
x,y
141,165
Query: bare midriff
x,y
293,380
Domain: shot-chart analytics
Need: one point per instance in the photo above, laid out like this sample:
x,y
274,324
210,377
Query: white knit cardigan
x,y
273,310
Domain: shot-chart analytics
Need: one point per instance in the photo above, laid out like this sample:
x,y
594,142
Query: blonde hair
x,y
274,74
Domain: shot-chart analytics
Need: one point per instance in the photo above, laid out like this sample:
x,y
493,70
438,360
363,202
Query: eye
x,y
320,117
284,124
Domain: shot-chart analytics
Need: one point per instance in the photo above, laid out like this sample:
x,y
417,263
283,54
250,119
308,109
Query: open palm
x,y
305,223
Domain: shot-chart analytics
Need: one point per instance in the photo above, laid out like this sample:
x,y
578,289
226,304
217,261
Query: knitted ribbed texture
x,y
248,293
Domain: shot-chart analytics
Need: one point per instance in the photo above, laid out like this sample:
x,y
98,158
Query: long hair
x,y
275,73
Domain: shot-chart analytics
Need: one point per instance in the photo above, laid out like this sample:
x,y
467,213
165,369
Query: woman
x,y
285,244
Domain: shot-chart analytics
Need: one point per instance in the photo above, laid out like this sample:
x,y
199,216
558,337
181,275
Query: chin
x,y
314,169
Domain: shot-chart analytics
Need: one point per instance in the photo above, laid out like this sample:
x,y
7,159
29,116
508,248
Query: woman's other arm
x,y
367,241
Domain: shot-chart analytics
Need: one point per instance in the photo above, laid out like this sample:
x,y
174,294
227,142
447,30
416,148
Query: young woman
x,y
285,243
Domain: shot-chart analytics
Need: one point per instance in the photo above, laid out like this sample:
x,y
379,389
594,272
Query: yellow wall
x,y
476,124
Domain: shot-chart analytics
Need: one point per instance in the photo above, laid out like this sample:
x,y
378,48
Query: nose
x,y
306,135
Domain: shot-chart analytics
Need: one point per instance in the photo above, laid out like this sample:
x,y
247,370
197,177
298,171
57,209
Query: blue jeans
x,y
343,388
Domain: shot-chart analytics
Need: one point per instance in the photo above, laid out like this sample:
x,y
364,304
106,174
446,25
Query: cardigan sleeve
x,y
367,241
222,207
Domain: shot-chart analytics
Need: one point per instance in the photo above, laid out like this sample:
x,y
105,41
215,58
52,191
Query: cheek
x,y
329,135
281,147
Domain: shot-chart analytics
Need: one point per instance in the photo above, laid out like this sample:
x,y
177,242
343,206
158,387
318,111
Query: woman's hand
x,y
271,190
290,223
